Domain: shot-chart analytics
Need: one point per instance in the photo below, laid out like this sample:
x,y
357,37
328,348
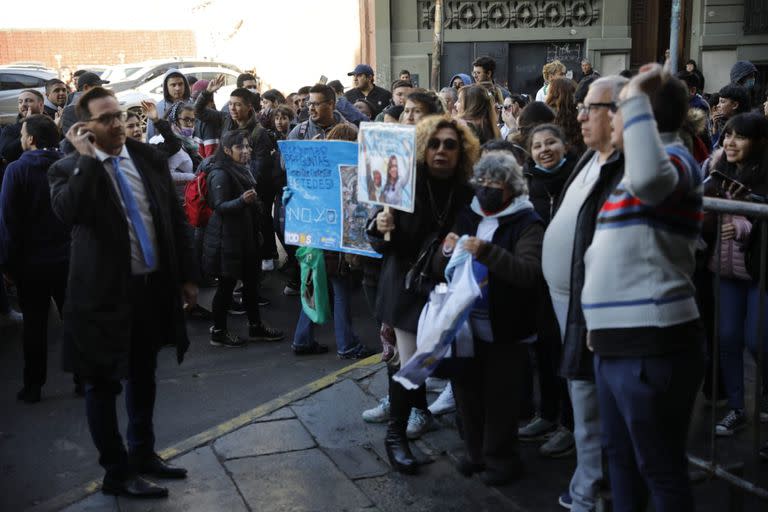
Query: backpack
x,y
195,207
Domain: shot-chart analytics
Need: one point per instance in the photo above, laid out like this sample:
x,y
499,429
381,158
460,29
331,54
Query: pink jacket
x,y
732,251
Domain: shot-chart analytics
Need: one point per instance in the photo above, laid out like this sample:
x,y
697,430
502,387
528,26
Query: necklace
x,y
439,216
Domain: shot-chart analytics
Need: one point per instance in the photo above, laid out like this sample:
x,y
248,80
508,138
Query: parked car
x,y
13,80
130,100
130,76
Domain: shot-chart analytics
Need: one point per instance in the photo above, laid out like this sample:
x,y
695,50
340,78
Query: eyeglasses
x,y
188,121
449,144
487,182
587,109
109,118
316,104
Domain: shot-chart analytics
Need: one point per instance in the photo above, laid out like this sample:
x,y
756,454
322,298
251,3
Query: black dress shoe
x,y
157,467
134,487
29,395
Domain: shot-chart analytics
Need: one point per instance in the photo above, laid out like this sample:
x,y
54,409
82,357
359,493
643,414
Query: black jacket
x,y
231,238
10,144
262,159
544,188
513,259
30,234
98,308
577,359
394,305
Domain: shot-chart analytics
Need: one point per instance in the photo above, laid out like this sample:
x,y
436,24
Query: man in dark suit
x,y
131,263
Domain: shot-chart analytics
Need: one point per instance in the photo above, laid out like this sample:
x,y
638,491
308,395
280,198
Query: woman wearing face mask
x,y
232,243
505,237
548,169
175,138
445,152
546,172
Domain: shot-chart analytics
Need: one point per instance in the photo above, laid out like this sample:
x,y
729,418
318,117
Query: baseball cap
x,y
361,69
89,78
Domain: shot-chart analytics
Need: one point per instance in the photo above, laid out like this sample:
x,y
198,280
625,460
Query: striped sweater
x,y
639,267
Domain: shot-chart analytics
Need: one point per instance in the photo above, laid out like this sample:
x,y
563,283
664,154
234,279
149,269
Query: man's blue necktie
x,y
134,214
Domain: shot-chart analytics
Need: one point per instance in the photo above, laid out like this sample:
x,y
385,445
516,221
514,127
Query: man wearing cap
x,y
85,82
366,90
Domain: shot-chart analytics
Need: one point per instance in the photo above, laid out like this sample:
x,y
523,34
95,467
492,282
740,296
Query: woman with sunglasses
x,y
505,237
233,241
445,152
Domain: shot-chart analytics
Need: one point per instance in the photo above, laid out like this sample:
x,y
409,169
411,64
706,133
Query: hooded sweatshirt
x,y
167,101
30,233
464,78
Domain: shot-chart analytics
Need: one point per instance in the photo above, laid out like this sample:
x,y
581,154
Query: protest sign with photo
x,y
321,208
387,165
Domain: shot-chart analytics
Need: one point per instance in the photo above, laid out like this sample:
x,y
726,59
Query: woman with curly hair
x,y
560,98
477,109
445,153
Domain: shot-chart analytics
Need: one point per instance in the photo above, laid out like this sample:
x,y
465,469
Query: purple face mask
x,y
187,132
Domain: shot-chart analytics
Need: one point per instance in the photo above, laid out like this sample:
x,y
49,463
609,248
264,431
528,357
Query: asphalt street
x,y
45,448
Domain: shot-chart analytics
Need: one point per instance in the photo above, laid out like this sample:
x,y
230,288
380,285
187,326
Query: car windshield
x,y
120,73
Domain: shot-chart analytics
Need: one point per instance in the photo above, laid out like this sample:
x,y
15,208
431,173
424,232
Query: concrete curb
x,y
80,492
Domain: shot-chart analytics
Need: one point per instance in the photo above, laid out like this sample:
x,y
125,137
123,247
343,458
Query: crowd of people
x,y
580,206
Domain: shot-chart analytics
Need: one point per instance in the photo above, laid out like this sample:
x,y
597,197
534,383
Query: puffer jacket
x,y
232,239
732,252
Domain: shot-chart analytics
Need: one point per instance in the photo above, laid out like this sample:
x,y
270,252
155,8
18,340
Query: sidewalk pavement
x,y
310,450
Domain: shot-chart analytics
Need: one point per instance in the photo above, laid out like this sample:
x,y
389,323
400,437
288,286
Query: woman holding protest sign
x,y
445,153
233,241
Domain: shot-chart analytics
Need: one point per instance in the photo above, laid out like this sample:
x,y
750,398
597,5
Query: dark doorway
x,y
650,31
518,65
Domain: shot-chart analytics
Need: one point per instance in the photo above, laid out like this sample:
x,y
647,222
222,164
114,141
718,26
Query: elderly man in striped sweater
x,y
638,299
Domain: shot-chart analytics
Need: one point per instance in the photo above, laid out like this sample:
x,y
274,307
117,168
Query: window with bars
x,y
755,17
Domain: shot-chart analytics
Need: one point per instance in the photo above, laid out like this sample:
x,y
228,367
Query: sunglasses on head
x,y
449,144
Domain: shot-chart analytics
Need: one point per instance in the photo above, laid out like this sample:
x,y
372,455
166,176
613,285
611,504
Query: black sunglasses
x,y
449,144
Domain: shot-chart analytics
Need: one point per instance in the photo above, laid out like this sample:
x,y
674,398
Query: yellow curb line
x,y
205,437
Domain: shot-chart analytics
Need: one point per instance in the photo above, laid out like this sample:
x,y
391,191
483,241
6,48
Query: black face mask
x,y
491,199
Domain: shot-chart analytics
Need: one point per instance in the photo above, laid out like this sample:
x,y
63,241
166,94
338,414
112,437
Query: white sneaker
x,y
435,385
268,265
419,423
11,317
379,414
444,403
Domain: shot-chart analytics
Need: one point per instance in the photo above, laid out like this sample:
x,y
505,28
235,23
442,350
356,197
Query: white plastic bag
x,y
443,321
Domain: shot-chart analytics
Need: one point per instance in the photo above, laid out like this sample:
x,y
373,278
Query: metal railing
x,y
733,473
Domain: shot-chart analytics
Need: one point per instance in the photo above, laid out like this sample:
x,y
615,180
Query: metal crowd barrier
x,y
733,474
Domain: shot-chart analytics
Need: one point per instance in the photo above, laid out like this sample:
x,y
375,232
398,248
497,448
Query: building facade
x,y
521,35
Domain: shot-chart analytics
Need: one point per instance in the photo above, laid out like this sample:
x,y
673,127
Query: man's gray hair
x,y
501,166
614,83
451,91
586,61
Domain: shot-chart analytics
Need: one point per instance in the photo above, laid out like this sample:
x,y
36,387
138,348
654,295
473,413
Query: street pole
x,y
674,36
437,47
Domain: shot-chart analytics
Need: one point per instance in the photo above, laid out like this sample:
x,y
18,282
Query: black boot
x,y
396,442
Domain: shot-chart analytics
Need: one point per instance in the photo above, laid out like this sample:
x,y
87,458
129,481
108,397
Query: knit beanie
x,y
741,69
199,87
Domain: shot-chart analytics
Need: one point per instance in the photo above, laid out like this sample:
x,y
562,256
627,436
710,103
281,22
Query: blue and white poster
x,y
321,206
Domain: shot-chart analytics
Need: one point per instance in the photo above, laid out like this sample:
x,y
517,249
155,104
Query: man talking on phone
x,y
131,264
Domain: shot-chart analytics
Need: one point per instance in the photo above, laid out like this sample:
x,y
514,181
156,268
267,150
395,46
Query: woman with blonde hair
x,y
445,153
549,72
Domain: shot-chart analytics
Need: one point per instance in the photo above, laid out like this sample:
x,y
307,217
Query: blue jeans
x,y
645,412
739,304
346,340
585,482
